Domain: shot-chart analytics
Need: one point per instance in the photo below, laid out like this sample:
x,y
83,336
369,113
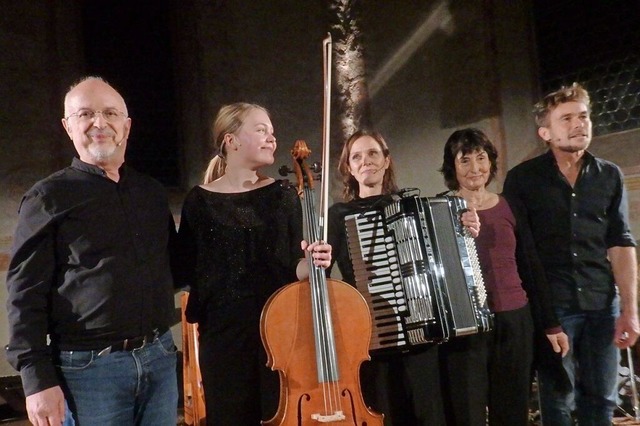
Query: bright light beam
x,y
439,18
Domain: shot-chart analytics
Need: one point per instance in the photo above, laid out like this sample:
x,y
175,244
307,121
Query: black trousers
x,y
239,389
489,372
405,387
510,364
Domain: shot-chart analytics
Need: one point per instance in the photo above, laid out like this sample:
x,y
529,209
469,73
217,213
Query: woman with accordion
x,y
405,386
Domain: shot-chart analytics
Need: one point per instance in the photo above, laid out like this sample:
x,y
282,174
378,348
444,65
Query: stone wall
x,y
472,65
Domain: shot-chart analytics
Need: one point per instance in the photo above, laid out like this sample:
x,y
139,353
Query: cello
x,y
316,332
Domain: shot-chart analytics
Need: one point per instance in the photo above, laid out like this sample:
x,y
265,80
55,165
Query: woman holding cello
x,y
240,238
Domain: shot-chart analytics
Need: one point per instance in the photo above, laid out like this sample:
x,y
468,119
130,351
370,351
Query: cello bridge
x,y
335,417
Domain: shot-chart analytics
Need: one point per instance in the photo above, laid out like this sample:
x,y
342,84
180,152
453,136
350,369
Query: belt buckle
x,y
132,342
144,342
156,335
125,344
105,351
147,338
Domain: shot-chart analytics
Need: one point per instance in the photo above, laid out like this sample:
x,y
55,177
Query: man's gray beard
x,y
102,153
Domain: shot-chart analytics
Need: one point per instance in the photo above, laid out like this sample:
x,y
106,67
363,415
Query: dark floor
x,y
24,422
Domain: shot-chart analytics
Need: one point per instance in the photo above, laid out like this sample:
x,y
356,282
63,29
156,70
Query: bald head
x,y
92,85
97,121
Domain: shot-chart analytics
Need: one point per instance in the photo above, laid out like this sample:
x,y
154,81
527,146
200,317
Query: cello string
x,y
330,341
329,348
319,324
326,350
320,365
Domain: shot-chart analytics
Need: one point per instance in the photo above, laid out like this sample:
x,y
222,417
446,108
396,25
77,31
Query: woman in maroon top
x,y
493,370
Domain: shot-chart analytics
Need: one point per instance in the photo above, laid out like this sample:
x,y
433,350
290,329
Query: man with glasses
x,y
90,292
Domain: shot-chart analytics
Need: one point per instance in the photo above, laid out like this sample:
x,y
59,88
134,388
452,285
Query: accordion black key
x,y
418,269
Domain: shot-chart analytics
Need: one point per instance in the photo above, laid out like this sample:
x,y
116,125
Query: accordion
x,y
418,269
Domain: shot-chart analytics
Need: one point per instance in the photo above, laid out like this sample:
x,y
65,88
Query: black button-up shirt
x,y
574,226
89,268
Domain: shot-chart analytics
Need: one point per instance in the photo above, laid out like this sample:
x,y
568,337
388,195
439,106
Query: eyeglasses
x,y
109,114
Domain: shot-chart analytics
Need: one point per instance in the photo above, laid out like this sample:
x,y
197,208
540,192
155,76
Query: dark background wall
x,y
433,66
130,44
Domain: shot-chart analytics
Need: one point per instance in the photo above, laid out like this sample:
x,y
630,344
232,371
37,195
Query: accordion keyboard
x,y
377,274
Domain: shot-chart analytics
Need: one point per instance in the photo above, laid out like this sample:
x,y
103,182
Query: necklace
x,y
477,201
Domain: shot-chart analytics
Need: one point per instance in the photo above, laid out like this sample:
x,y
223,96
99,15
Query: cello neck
x,y
326,354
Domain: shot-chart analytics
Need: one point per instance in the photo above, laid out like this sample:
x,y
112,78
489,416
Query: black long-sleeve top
x,y
236,247
573,227
89,268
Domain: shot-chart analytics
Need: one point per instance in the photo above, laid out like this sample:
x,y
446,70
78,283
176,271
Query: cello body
x,y
287,327
316,332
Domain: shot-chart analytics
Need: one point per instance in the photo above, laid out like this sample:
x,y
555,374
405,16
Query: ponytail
x,y
215,169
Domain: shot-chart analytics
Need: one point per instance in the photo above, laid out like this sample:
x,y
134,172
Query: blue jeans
x,y
591,367
122,388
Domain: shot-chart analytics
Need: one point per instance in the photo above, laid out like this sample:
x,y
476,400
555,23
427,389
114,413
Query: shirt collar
x,y
78,164
587,158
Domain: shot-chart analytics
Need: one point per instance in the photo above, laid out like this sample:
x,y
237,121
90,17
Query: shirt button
x,y
575,215
575,254
573,194
579,288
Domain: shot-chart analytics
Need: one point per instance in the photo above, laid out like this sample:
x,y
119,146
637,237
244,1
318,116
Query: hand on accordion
x,y
471,221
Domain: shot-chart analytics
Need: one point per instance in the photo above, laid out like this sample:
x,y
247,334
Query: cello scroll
x,y
300,152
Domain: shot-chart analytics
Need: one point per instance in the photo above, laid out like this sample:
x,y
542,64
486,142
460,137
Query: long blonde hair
x,y
229,119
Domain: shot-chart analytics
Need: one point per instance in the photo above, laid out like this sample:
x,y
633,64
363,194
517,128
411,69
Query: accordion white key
x,y
418,270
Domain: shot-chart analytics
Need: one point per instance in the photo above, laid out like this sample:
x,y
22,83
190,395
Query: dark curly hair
x,y
466,141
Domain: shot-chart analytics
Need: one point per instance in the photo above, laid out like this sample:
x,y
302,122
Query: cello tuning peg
x,y
316,167
284,170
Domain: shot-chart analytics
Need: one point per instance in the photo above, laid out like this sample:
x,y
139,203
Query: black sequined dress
x,y
235,251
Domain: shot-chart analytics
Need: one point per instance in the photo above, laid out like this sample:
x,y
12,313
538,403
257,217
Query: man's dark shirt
x,y
89,268
574,227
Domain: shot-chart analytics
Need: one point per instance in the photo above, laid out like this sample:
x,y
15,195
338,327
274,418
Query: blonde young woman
x,y
240,240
